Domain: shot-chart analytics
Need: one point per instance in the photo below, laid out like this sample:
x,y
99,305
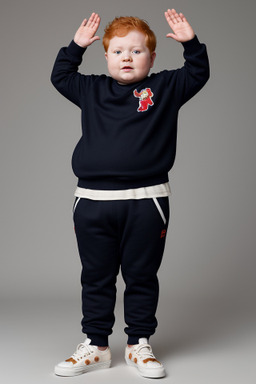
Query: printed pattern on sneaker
x,y
141,356
86,357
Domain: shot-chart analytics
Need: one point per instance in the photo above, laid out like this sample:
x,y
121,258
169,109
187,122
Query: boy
x,y
128,144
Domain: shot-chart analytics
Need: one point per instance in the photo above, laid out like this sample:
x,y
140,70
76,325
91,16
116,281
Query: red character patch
x,y
145,99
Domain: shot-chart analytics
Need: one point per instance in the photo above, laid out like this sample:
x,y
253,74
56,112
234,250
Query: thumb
x,y
172,35
95,38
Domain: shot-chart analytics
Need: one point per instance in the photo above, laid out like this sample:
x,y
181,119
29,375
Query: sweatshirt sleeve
x,y
65,76
195,72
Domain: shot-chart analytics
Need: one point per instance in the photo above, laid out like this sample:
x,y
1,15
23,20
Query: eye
x,y
117,52
136,51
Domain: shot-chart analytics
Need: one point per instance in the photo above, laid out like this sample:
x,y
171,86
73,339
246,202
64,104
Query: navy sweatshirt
x,y
128,131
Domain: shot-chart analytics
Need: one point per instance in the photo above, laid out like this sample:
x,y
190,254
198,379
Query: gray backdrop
x,y
210,253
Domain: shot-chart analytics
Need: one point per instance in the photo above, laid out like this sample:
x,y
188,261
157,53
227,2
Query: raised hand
x,y
180,26
85,34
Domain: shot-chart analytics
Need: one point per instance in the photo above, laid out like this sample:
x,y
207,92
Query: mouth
x,y
127,68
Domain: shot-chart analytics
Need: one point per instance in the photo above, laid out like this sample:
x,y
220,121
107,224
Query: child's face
x,y
129,59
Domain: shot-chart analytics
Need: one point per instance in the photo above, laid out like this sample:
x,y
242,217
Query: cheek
x,y
144,64
112,64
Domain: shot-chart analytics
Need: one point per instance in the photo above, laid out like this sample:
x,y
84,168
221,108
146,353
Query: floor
x,y
199,342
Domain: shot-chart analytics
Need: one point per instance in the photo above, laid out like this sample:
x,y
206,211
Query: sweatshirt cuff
x,y
191,45
75,49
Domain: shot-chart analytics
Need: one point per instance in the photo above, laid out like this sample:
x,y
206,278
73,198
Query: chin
x,y
125,81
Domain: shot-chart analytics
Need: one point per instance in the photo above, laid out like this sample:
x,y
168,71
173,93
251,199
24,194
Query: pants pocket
x,y
161,212
75,203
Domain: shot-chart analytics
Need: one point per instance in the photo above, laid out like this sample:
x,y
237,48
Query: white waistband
x,y
161,190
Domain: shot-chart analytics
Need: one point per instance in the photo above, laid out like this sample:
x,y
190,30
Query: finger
x,y
173,17
177,17
83,23
171,13
168,15
95,21
95,18
90,21
183,18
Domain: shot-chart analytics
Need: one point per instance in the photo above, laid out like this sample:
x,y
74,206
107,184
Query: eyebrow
x,y
133,47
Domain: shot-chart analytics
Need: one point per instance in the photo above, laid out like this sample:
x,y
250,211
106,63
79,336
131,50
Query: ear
x,y
153,56
106,56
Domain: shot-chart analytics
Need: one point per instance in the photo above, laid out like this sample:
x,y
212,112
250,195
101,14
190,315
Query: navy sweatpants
x,y
120,233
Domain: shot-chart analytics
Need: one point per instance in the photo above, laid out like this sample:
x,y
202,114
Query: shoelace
x,y
145,350
82,350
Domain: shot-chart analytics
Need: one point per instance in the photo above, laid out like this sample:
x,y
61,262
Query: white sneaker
x,y
86,358
141,357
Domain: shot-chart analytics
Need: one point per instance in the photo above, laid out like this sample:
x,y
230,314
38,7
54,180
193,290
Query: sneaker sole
x,y
153,373
62,371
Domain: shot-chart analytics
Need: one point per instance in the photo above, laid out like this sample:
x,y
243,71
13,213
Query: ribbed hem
x,y
132,340
75,49
119,183
192,44
98,340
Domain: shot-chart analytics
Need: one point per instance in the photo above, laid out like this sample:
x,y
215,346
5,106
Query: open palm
x,y
182,30
85,34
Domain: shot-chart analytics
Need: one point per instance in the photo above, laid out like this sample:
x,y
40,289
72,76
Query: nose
x,y
127,57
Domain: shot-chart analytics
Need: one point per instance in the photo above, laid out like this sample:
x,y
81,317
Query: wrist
x,y
190,38
75,49
191,44
77,42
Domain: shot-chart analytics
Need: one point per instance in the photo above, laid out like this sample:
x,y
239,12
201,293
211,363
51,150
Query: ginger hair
x,y
121,26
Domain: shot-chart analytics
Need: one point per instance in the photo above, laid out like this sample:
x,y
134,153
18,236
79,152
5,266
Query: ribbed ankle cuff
x,y
98,340
132,340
